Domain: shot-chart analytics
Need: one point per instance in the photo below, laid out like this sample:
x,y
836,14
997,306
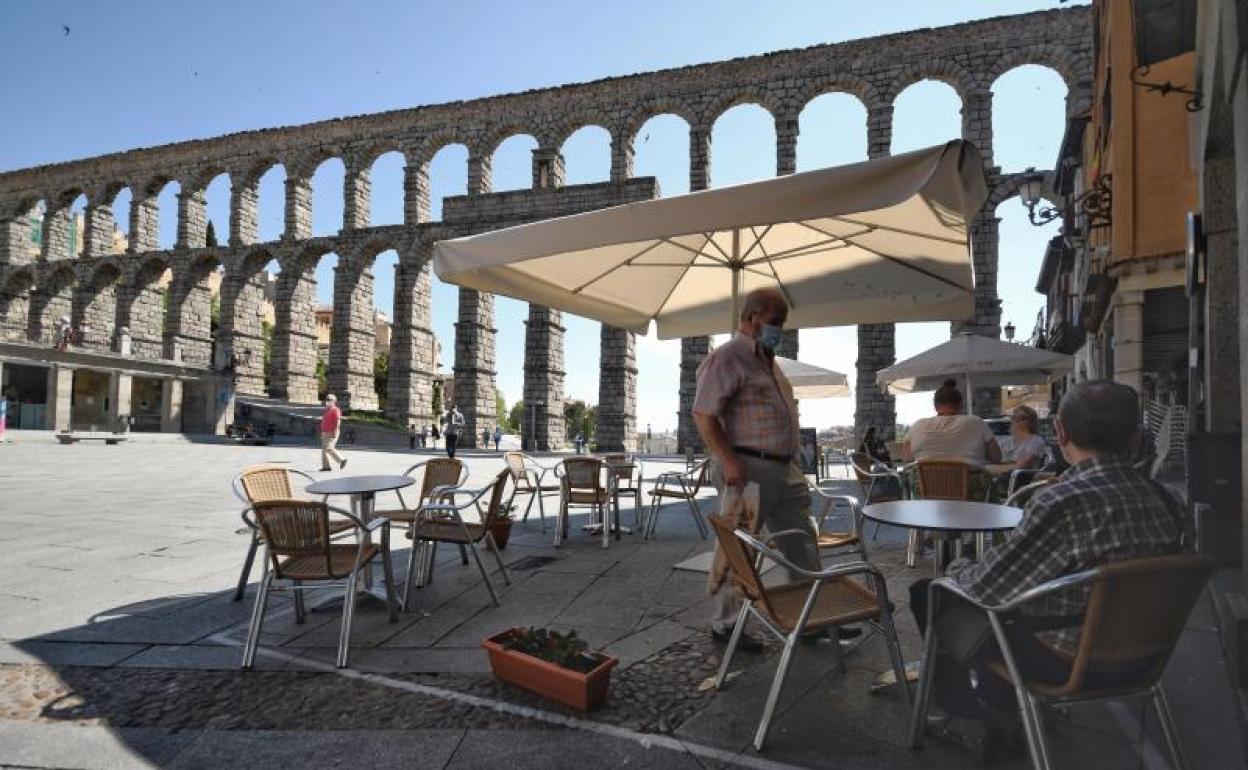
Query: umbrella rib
x,y
775,275
758,240
676,284
798,251
710,238
915,268
628,262
898,230
695,252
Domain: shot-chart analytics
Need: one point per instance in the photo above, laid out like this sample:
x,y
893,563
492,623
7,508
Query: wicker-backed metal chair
x,y
850,540
440,520
529,478
299,551
825,598
624,479
1136,611
258,484
937,480
878,482
674,485
582,485
435,474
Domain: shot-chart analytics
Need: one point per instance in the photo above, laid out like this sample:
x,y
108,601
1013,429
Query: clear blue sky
x,y
143,73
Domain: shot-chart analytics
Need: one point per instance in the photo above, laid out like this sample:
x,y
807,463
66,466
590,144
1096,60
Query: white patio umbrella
x,y
977,361
874,242
812,382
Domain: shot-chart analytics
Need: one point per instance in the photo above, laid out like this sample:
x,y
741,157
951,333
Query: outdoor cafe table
x,y
946,516
363,490
940,516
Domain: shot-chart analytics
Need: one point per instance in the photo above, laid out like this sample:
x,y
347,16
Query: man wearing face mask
x,y
746,414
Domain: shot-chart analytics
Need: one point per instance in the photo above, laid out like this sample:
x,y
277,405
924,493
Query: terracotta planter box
x,y
571,688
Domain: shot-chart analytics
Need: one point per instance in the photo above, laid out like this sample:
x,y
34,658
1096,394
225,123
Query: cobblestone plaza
x,y
121,645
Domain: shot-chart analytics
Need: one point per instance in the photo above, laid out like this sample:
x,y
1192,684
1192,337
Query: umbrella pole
x,y
970,395
736,280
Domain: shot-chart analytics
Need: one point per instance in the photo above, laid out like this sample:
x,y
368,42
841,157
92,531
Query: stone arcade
x,y
107,292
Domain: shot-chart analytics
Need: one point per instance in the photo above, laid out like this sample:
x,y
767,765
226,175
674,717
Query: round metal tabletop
x,y
358,485
951,515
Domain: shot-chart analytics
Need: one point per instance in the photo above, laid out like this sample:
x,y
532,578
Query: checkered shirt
x,y
739,384
1101,510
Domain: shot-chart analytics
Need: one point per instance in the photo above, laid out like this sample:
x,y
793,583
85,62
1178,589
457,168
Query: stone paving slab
x,y
88,748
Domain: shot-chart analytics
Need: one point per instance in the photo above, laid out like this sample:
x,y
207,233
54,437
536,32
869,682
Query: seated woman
x,y
1029,448
874,447
952,435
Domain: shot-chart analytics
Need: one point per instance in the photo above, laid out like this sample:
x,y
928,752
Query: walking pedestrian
x,y
411,436
433,431
424,436
498,436
331,420
454,424
746,414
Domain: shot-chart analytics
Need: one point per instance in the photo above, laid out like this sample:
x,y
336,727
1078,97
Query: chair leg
x,y
486,577
301,613
651,516
348,613
696,512
247,562
498,557
463,555
561,522
875,532
257,620
637,516
777,684
899,663
737,631
413,559
388,568
1168,728
922,699
912,548
1033,725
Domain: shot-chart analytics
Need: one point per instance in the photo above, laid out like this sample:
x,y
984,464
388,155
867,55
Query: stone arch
x,y
51,300
1073,68
244,311
758,95
189,325
570,124
15,297
943,70
860,88
652,108
293,370
141,303
488,143
1007,185
95,302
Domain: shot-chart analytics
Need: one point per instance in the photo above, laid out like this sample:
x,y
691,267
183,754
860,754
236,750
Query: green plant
x,y
564,650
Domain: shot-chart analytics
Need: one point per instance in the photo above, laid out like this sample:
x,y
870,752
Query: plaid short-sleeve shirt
x,y
1102,510
741,385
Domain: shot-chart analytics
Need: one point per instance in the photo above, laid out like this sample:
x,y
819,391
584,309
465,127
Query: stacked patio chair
x,y
261,483
827,598
674,485
299,552
1136,612
529,478
440,520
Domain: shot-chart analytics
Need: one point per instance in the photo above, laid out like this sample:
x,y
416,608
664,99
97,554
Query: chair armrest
x,y
839,570
247,517
304,474
1044,589
375,524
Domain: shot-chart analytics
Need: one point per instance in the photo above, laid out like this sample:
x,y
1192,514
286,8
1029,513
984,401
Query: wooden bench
x,y
70,438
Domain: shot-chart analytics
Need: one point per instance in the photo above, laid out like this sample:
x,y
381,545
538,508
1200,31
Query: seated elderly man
x,y
1101,510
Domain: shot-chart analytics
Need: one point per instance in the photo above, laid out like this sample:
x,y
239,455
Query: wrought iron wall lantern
x,y
1194,104
1094,204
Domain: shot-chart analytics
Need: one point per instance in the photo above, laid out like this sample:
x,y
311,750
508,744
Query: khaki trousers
x,y
328,440
784,503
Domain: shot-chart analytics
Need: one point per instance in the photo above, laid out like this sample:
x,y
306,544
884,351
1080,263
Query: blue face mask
x,y
769,336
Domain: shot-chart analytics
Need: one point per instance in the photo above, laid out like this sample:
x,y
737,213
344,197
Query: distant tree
x,y
579,418
500,409
436,403
381,375
210,235
515,418
322,374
